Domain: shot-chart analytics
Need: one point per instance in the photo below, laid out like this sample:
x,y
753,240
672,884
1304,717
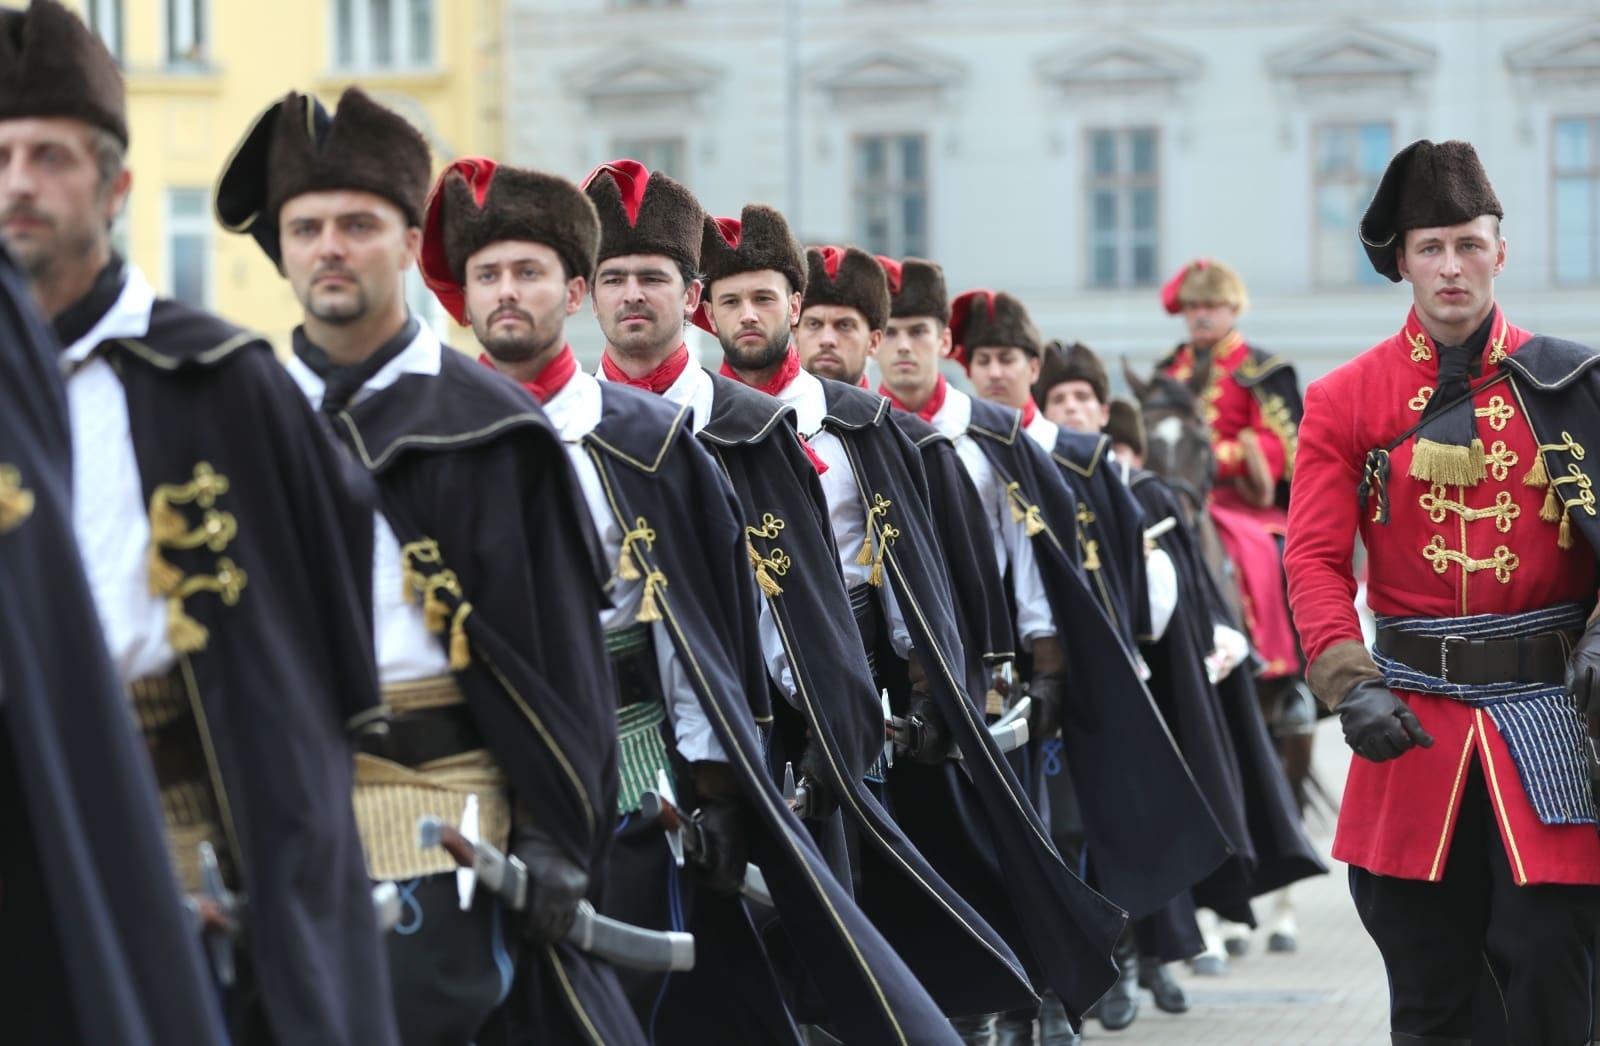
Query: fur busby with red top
x,y
1425,186
1204,281
850,277
1075,362
51,64
916,288
477,202
759,239
295,147
984,319
644,212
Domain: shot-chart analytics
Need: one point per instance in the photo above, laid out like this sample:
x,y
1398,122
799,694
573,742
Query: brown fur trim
x,y
1213,284
1001,323
51,64
520,204
669,220
921,292
1126,425
764,243
858,283
1075,362
1333,675
1425,186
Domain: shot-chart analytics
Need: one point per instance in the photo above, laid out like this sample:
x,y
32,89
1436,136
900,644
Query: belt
x,y
864,608
1540,658
633,665
425,735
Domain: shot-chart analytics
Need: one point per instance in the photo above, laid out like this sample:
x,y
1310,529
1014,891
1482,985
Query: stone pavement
x,y
1331,992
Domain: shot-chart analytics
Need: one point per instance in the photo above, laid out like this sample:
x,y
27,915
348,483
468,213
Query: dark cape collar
x,y
740,414
852,407
79,318
1550,364
1003,424
620,434
1081,452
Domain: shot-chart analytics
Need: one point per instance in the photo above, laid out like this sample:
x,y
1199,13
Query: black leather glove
x,y
722,827
820,802
1378,726
1583,683
1047,688
555,886
930,740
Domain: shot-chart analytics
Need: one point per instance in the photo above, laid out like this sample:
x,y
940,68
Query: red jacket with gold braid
x,y
1445,552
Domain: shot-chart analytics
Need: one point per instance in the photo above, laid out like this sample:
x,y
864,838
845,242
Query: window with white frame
x,y
1123,185
189,246
188,33
1575,168
891,194
383,35
657,154
105,18
1348,159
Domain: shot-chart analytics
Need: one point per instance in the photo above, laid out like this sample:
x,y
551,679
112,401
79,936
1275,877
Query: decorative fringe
x,y
434,611
648,610
1551,510
764,579
1537,476
1564,535
626,569
166,523
865,555
164,577
1446,463
1033,524
460,648
186,635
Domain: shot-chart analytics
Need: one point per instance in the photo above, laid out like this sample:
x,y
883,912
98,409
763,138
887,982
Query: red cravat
x,y
780,380
930,408
1030,410
552,379
658,380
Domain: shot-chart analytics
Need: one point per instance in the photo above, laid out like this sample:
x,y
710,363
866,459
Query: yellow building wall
x,y
184,123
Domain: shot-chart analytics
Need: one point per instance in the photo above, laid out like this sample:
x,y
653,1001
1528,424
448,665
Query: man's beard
x,y
342,314
517,347
655,339
38,259
754,360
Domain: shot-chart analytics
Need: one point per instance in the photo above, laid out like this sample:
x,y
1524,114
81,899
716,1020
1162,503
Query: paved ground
x,y
1331,992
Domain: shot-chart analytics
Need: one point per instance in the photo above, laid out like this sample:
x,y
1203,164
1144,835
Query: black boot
x,y
1054,1028
1402,1039
1169,994
1014,1028
1121,1004
974,1031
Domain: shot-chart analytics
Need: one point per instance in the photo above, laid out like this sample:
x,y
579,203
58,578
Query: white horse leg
x,y
1283,935
1213,962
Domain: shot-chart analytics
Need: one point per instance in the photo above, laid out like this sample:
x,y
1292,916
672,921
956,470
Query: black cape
x,y
97,945
1149,831
653,470
1110,529
466,458
957,956
974,819
284,668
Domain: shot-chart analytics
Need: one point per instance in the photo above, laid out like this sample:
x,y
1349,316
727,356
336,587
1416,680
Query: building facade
x,y
198,71
1077,153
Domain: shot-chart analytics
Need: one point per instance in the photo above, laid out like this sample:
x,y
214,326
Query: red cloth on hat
x,y
831,257
478,173
780,381
960,309
631,177
929,409
891,271
658,380
1170,289
551,379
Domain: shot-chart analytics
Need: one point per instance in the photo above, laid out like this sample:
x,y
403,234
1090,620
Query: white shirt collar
x,y
575,408
128,317
1044,431
810,402
956,413
424,355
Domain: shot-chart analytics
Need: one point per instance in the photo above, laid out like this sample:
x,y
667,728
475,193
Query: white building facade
x,y
1076,154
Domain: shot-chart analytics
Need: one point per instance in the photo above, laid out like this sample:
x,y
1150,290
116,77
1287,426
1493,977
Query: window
x,y
1577,199
891,194
641,4
1349,160
187,34
189,246
383,34
105,18
1124,183
657,154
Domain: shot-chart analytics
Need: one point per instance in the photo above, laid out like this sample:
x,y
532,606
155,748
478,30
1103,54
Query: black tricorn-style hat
x,y
295,147
1425,185
757,240
981,318
644,212
850,277
1075,362
51,64
476,202
916,288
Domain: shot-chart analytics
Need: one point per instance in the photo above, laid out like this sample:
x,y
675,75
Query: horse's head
x,y
1178,438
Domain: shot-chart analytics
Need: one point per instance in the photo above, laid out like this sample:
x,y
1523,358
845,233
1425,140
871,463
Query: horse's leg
x,y
1282,933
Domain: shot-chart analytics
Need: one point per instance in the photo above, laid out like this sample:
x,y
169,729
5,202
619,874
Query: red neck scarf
x,y
863,382
929,409
1030,410
780,381
552,379
658,380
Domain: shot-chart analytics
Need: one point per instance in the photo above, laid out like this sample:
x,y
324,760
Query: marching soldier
x,y
484,586
1455,450
215,535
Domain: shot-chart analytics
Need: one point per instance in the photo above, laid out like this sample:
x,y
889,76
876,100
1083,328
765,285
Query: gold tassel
x,y
769,586
166,523
1091,555
186,635
648,611
1017,515
434,611
626,570
1448,464
164,577
865,555
1551,510
1564,535
460,649
1034,524
1537,476
16,505
410,582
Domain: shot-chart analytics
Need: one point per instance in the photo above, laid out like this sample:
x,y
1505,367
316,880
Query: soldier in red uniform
x,y
1468,819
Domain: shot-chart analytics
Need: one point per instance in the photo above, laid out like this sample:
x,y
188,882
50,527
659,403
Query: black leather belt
x,y
1539,658
869,621
419,737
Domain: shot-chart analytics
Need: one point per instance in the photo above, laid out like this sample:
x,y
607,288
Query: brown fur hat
x,y
295,148
1126,425
644,213
51,64
983,319
1424,186
849,277
1075,362
757,240
1204,281
916,288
